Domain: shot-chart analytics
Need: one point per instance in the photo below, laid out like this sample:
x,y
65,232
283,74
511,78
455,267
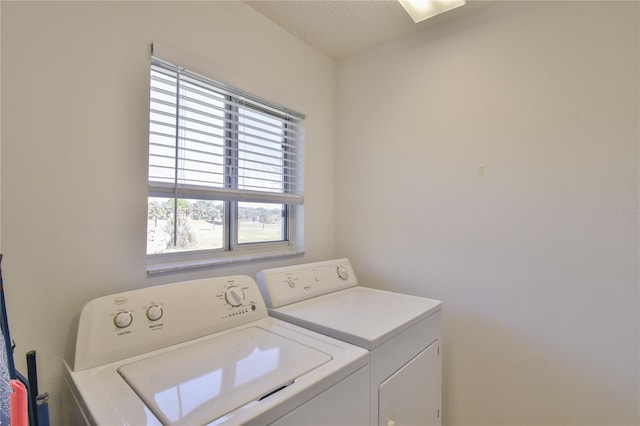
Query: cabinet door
x,y
411,396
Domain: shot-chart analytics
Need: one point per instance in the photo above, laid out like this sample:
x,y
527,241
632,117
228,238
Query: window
x,y
224,171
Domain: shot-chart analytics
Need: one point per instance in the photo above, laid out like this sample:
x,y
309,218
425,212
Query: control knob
x,y
234,296
123,319
343,273
154,312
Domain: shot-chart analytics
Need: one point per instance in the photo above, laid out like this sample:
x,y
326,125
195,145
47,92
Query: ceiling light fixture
x,y
419,10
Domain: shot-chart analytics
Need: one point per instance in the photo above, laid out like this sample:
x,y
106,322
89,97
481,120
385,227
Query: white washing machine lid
x,y
204,381
361,316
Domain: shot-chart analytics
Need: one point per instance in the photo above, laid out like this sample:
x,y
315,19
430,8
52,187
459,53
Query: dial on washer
x,y
234,296
123,319
154,312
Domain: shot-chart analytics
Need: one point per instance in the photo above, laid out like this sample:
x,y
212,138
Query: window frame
x,y
233,251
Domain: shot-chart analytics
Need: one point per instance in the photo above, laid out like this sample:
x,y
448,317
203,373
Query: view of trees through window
x,y
200,224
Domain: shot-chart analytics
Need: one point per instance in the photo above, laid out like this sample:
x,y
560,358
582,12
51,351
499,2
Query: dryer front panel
x,y
411,396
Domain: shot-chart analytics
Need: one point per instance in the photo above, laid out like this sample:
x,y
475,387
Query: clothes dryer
x,y
402,333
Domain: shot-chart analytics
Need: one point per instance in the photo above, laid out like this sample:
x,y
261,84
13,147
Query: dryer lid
x,y
201,382
359,315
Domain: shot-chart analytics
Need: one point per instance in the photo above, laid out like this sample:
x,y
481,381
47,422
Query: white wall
x,y
540,285
74,144
539,281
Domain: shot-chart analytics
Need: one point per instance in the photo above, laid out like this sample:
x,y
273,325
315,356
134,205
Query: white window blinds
x,y
210,141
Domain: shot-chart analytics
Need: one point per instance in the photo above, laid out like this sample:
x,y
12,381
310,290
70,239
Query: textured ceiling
x,y
341,28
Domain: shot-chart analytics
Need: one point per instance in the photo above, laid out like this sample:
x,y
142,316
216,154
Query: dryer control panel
x,y
283,286
122,325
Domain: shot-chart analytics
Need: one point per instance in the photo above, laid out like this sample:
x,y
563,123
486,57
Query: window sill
x,y
164,267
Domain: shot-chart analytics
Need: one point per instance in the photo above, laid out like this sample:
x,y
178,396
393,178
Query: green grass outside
x,y
210,236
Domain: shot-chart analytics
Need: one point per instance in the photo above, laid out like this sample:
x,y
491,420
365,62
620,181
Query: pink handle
x,y
19,409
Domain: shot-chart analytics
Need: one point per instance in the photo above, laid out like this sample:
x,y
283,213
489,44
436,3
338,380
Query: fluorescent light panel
x,y
419,10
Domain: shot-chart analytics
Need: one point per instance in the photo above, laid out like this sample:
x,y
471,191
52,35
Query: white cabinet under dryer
x,y
401,332
421,404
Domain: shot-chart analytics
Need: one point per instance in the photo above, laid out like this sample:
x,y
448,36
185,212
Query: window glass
x,y
259,222
199,225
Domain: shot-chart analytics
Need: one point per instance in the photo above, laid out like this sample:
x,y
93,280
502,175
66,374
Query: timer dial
x,y
343,273
234,296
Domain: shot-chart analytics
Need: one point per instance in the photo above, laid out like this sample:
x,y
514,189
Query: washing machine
x,y
401,332
206,352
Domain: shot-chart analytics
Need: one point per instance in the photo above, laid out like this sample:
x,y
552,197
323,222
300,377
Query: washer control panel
x,y
283,286
115,327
